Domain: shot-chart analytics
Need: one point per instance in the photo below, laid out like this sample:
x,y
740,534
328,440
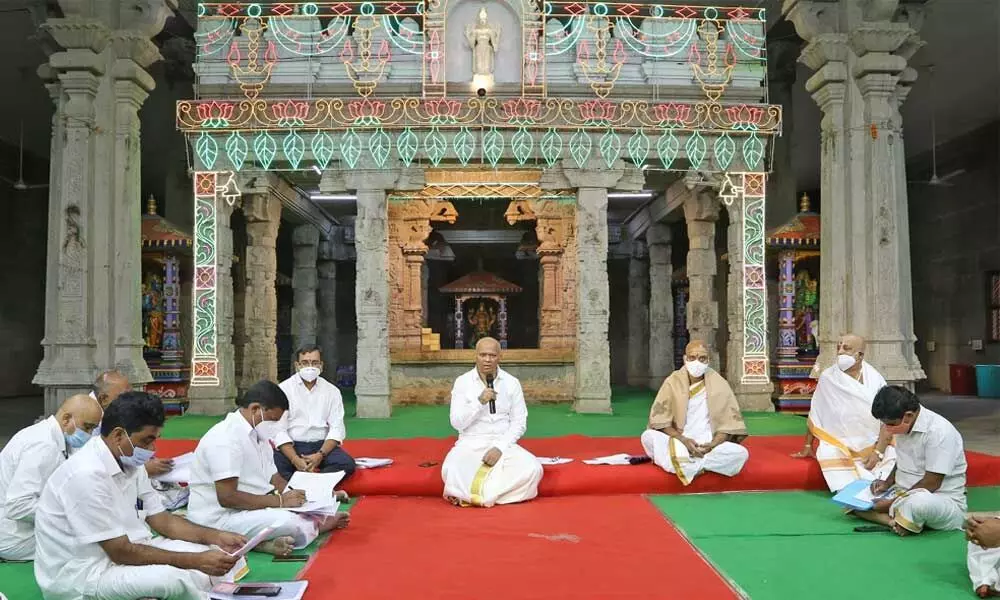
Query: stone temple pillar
x,y
97,80
660,341
593,359
326,304
262,210
218,400
638,316
304,284
860,54
701,211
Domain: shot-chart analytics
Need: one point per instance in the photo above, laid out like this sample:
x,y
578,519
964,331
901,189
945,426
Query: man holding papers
x,y
234,483
930,467
486,466
983,533
96,516
695,423
310,434
852,443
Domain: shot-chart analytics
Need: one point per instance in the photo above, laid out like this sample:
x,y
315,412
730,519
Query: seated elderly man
x,y
94,520
27,462
983,533
930,467
486,466
109,385
695,423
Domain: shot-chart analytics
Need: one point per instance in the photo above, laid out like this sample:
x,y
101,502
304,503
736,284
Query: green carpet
x,y
781,545
631,411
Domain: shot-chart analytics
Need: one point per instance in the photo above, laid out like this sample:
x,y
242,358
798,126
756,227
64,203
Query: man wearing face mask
x,y
27,462
235,485
311,433
695,423
96,518
852,444
930,467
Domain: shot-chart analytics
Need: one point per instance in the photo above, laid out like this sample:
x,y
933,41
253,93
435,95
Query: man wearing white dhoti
x,y
695,423
983,533
487,466
852,443
94,521
235,484
930,467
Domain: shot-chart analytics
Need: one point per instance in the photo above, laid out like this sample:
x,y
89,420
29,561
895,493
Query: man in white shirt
x,y
93,522
852,443
235,485
695,423
106,387
930,467
486,466
983,533
311,433
27,462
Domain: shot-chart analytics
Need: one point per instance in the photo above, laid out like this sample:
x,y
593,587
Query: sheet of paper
x,y
614,459
372,463
257,539
865,495
318,508
181,473
553,460
317,486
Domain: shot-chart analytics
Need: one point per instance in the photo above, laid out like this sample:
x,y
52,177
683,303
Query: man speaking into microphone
x,y
486,466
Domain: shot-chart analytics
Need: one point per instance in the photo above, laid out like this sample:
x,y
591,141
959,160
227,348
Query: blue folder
x,y
847,497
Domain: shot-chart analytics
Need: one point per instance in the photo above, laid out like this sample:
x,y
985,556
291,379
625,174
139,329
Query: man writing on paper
x,y
27,462
311,432
695,423
235,485
486,466
983,533
930,467
94,521
852,443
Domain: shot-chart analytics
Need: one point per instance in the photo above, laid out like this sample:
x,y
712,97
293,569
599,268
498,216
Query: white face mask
x,y
696,368
264,429
309,374
845,361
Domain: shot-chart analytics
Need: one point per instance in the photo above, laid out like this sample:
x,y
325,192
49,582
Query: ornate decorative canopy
x,y
159,233
480,282
800,232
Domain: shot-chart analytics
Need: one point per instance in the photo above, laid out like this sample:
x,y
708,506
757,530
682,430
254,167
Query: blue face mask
x,y
78,438
139,458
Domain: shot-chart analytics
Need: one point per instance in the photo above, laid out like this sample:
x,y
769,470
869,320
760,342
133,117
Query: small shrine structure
x,y
488,318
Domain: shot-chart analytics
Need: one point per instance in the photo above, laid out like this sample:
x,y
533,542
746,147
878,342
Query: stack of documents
x,y
372,463
290,590
181,473
614,459
319,488
858,495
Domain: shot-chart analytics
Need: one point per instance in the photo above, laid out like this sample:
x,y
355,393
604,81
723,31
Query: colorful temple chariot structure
x,y
795,246
470,132
166,257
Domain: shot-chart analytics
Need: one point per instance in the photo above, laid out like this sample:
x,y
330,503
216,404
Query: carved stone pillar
x,y
782,55
661,306
304,284
701,211
326,304
859,53
638,316
262,210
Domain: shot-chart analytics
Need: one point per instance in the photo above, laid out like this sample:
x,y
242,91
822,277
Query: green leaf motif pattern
x,y
696,149
322,148
465,145
265,148
435,145
753,152
522,144
493,144
406,146
552,147
580,146
668,146
207,149
380,146
237,149
725,150
611,147
350,148
638,148
295,148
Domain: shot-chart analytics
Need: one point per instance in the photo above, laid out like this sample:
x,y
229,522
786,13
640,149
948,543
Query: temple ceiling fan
x,y
20,185
935,180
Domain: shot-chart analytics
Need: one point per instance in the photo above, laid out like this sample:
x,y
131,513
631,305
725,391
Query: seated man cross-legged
x,y
310,434
930,467
983,533
487,466
92,541
235,485
695,423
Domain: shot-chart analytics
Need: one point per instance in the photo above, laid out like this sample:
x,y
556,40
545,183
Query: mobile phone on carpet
x,y
292,558
264,590
871,529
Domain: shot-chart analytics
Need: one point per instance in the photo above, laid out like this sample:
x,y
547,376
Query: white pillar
x,y
701,211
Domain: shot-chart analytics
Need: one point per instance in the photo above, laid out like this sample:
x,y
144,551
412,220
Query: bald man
x,y
486,466
695,423
27,462
852,443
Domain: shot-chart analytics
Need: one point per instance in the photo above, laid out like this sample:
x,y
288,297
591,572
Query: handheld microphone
x,y
493,404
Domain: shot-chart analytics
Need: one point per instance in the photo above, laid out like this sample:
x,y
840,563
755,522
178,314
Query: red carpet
x,y
770,467
582,547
